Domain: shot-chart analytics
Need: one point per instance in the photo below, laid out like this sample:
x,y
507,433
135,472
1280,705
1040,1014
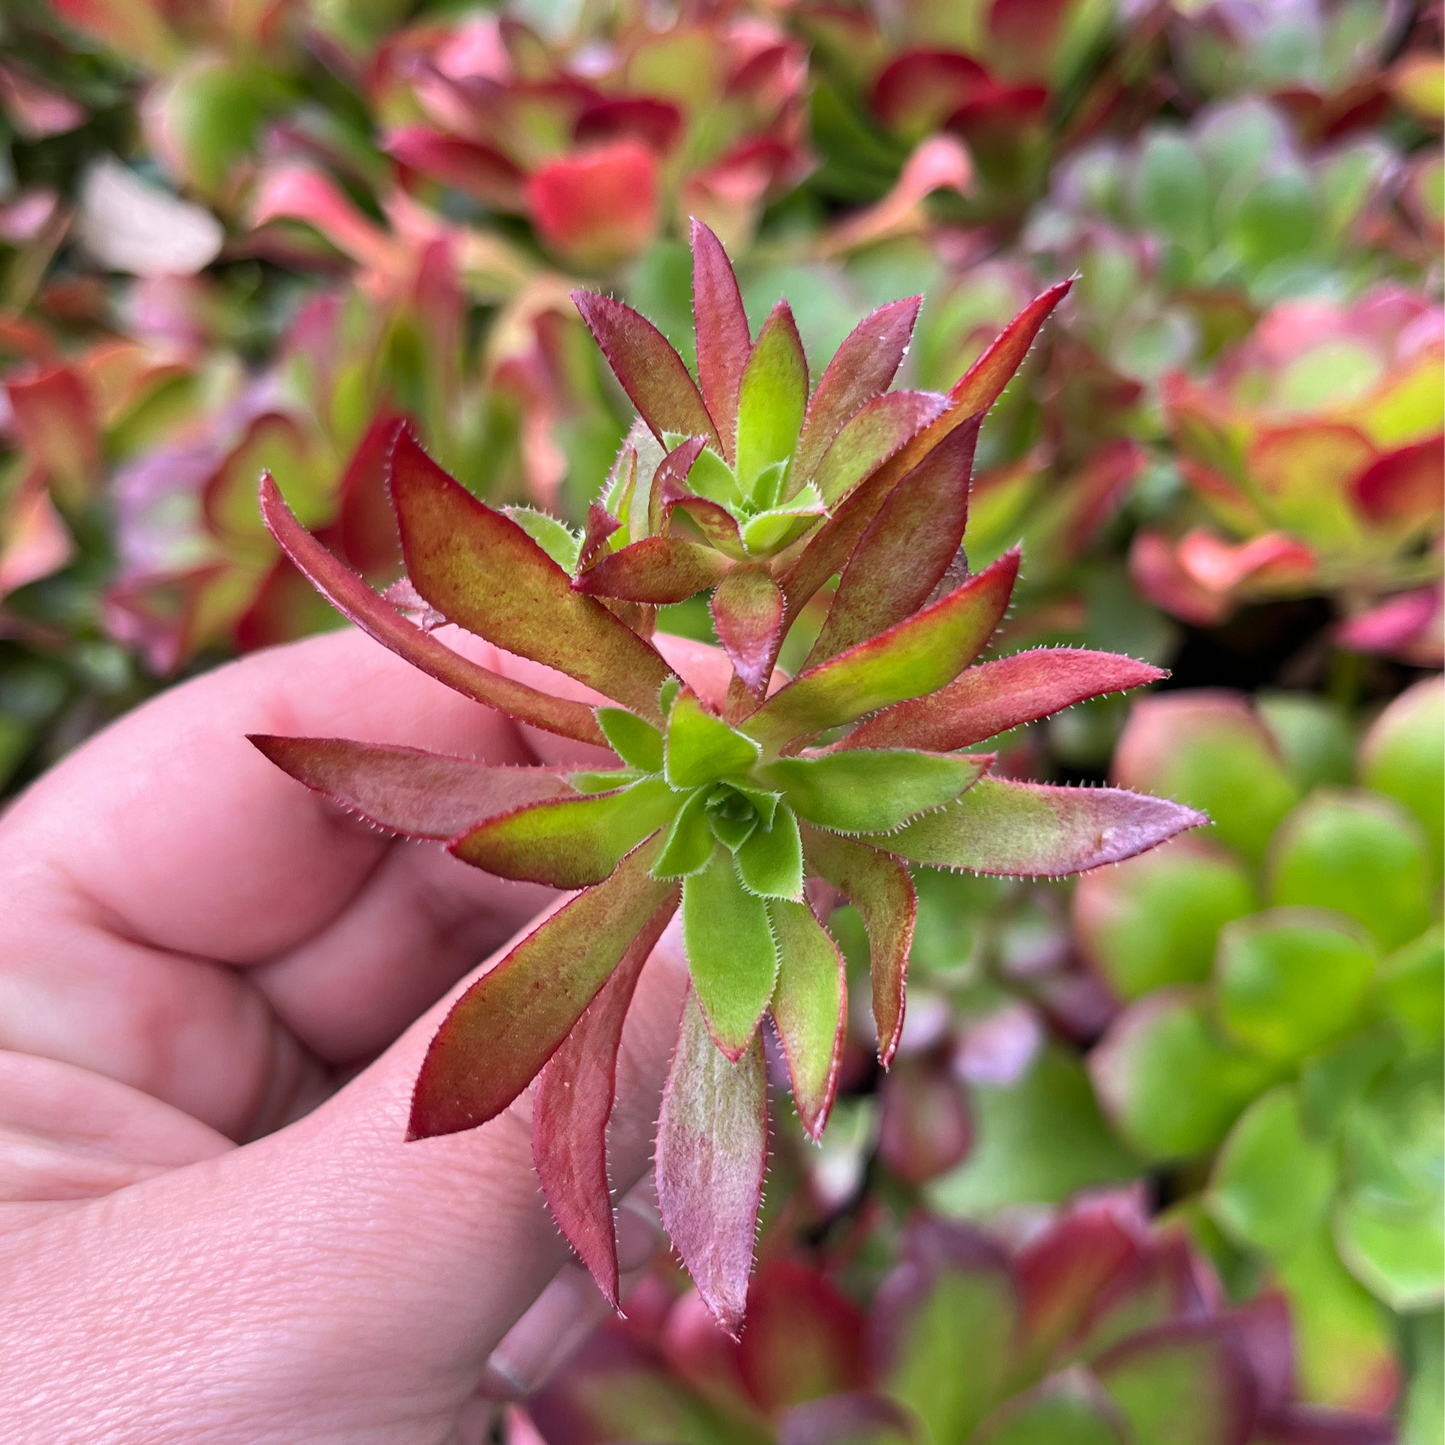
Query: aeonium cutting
x,y
749,812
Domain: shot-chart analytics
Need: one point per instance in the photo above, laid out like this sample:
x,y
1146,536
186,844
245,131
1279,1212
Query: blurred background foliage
x,y
1160,1159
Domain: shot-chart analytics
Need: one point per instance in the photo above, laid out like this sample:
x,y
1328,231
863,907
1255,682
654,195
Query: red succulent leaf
x,y
1186,1382
657,124
569,1115
598,205
862,368
914,657
380,620
906,550
712,1155
810,1009
668,482
712,521
601,524
482,571
366,523
879,887
502,1030
921,88
407,790
468,165
804,1337
747,614
995,696
723,339
650,371
1405,485
924,1125
877,431
57,422
1038,830
568,842
656,570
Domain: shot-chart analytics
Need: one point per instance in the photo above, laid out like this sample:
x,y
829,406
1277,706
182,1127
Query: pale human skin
x,y
215,992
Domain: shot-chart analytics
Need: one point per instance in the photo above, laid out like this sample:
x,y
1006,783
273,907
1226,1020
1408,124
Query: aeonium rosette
x,y
743,811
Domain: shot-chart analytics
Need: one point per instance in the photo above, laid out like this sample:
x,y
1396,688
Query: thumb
x,y
329,1281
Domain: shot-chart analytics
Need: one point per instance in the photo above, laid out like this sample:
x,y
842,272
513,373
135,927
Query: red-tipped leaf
x,y
863,367
379,619
569,1115
482,571
905,551
650,371
712,1155
477,169
502,1030
810,1009
914,658
668,480
723,338
656,570
1037,830
879,887
747,614
879,431
407,790
995,696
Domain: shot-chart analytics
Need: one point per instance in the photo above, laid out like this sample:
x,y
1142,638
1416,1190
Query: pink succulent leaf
x,y
878,431
656,570
483,572
598,205
924,1124
1403,486
809,1008
668,481
914,657
714,523
712,1155
476,169
407,790
650,371
601,524
506,1026
574,1098
993,697
747,614
1038,830
57,422
855,1417
723,339
862,368
906,549
879,887
569,842
378,619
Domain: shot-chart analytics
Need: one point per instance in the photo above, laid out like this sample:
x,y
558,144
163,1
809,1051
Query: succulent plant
x,y
1099,1328
1282,981
741,810
1316,448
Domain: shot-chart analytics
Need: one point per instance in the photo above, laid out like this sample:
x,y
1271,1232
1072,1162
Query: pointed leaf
x,y
702,748
601,524
995,696
771,397
380,620
880,430
656,570
770,859
775,528
810,1009
911,659
1036,830
483,572
747,615
476,169
574,1098
879,887
668,480
689,842
712,1154
862,367
555,538
636,742
572,842
905,551
715,524
723,338
408,790
880,790
650,371
730,951
502,1030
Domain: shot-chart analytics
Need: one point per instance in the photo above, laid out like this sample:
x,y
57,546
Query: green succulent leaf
x,y
731,951
1068,1407
731,816
604,780
1403,756
701,748
871,791
555,538
770,859
632,738
778,525
689,842
810,1008
772,397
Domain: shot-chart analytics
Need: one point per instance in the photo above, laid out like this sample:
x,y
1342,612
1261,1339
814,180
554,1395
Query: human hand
x,y
215,993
